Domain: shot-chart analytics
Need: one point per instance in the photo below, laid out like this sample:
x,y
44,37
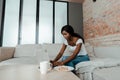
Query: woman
x,y
76,44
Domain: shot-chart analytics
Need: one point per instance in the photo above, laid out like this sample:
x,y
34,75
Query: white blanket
x,y
88,67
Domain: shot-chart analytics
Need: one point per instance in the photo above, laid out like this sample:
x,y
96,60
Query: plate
x,y
64,68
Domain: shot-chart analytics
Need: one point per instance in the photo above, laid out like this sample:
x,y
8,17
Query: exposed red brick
x,y
101,19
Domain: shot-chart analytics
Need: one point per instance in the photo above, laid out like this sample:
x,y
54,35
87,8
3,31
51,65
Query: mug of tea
x,y
45,66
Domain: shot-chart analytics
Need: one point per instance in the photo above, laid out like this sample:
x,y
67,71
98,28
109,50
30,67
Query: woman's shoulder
x,y
79,40
65,42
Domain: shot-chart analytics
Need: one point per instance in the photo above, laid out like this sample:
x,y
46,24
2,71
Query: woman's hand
x,y
51,61
58,63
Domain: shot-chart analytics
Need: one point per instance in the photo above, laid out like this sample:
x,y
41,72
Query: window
x,y
60,19
46,22
28,29
49,28
10,33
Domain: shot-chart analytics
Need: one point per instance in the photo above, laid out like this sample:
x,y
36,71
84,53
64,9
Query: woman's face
x,y
66,35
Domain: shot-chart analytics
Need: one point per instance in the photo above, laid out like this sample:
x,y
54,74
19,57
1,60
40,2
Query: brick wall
x,y
102,22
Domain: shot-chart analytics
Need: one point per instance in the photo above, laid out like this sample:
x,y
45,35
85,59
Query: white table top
x,y
31,72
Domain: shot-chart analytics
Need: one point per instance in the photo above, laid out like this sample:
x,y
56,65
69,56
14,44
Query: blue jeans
x,y
76,60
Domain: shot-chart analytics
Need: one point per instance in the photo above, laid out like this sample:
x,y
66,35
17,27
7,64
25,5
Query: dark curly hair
x,y
70,30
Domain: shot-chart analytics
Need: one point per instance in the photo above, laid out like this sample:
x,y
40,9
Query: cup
x,y
44,67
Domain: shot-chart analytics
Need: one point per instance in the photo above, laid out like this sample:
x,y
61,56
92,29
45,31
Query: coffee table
x,y
31,72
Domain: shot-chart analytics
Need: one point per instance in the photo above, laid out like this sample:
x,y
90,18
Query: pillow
x,y
25,50
41,54
90,49
52,49
6,53
107,52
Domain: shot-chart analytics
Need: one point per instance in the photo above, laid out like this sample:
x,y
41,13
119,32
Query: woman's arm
x,y
76,51
60,53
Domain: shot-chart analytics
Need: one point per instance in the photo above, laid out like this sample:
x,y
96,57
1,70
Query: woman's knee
x,y
70,64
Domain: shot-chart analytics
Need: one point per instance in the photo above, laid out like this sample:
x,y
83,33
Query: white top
x,y
72,48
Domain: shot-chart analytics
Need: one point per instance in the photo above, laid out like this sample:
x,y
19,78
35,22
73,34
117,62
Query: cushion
x,y
20,60
25,50
90,49
41,54
112,73
6,53
107,52
52,49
